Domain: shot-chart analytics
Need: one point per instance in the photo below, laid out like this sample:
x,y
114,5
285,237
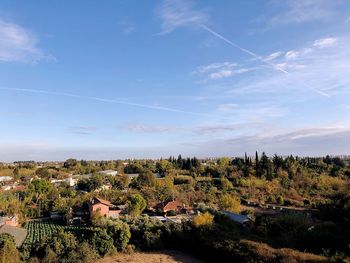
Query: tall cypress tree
x,y
180,162
257,165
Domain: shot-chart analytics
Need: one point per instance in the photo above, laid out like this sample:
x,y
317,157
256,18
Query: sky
x,y
148,79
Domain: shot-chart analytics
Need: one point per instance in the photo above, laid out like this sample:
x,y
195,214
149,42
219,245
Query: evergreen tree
x,y
179,162
257,165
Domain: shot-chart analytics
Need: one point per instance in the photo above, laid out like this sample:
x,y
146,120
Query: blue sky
x,y
144,79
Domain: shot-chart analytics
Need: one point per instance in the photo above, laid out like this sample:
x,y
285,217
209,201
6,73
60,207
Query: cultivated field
x,y
40,229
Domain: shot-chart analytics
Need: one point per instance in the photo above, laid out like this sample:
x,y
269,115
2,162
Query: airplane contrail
x,y
206,28
147,106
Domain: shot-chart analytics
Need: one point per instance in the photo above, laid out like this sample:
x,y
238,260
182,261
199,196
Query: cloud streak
x,y
297,12
105,100
277,67
323,65
325,42
178,13
18,44
222,70
313,141
83,130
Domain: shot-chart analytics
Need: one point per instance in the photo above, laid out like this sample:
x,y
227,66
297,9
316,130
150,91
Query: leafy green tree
x,y
42,172
280,200
146,178
120,232
96,181
226,184
102,242
70,163
40,186
180,162
224,161
50,256
84,253
230,203
257,165
163,166
136,204
8,250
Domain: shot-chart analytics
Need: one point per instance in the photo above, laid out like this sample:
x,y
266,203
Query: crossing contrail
x,y
115,101
254,55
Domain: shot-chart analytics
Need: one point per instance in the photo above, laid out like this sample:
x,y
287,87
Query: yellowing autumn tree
x,y
230,203
205,219
8,250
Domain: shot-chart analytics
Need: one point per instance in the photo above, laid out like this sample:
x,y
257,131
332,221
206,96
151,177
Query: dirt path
x,y
151,257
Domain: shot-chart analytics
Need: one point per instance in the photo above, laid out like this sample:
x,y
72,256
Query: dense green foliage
x,y
8,251
316,187
37,230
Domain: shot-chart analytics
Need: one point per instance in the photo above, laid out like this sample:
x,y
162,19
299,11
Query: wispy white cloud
x,y
311,67
179,13
221,70
227,107
18,44
106,100
216,66
230,119
83,130
312,141
325,42
217,128
272,65
296,12
196,130
143,128
292,54
314,132
176,13
273,56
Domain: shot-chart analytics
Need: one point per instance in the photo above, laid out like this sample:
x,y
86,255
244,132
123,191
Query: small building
x,y
5,178
13,187
9,220
174,205
238,218
109,172
104,187
105,208
6,187
69,181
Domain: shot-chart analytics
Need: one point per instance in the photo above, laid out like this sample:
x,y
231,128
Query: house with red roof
x,y
105,208
174,205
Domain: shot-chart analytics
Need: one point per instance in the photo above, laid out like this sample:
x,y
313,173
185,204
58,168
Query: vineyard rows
x,y
40,229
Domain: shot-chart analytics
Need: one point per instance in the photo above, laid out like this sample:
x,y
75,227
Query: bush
x,y
229,203
136,204
203,220
8,250
281,201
